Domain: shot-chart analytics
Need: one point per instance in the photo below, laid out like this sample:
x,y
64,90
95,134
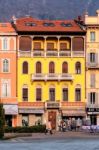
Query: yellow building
x,y
92,67
51,71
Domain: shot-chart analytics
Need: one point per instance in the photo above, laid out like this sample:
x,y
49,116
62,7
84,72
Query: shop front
x,y
30,116
11,112
93,115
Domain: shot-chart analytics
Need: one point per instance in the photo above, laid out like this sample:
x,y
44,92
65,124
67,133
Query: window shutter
x,y
96,58
25,43
88,99
88,58
96,99
8,89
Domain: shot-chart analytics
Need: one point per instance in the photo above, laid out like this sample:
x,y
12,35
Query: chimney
x,y
14,19
97,12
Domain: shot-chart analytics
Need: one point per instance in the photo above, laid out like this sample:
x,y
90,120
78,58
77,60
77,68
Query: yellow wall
x,y
26,79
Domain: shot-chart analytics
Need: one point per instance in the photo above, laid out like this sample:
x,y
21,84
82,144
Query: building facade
x,y
92,67
8,73
51,71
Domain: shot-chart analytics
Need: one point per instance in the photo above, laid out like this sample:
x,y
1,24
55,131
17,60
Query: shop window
x,y
25,120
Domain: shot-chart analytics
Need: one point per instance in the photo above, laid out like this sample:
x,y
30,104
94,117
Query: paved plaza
x,y
57,141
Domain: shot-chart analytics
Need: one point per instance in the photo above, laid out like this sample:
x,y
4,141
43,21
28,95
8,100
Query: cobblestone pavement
x,y
57,141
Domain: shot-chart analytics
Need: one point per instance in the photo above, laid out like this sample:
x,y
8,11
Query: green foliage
x,y
31,129
2,121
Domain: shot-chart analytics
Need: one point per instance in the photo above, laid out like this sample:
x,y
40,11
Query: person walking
x,y
48,128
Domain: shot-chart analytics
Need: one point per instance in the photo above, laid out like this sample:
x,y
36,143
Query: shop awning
x,y
30,111
10,109
73,113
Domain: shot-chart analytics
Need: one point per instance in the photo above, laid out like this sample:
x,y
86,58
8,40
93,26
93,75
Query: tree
x,y
2,121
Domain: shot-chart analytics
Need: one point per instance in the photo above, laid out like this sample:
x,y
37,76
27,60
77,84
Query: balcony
x,y
38,77
65,53
52,77
52,53
66,76
78,53
37,53
92,64
24,53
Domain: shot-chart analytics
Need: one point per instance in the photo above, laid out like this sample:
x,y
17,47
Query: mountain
x,y
46,9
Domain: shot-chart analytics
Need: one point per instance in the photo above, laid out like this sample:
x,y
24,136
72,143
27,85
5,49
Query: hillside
x,y
46,9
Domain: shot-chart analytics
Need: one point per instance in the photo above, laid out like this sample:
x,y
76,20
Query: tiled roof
x,y
32,25
6,28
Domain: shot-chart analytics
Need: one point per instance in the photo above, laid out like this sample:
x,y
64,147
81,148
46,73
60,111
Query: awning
x,y
73,113
11,109
30,111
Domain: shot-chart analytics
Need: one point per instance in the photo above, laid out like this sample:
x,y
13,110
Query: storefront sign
x,y
11,109
52,105
30,111
92,110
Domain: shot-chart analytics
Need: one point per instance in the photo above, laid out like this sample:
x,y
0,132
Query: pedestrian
x,y
64,126
48,127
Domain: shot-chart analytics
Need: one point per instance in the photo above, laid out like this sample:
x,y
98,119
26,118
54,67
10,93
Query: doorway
x,y
52,118
93,119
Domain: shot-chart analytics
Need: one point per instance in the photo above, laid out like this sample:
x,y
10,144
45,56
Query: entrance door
x,y
52,118
8,119
93,119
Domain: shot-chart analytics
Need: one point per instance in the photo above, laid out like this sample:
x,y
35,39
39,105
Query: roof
x,y
6,28
29,24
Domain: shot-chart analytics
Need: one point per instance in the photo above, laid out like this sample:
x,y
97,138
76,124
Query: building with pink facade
x,y
8,92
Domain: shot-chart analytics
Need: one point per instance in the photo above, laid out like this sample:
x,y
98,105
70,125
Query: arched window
x,y
38,67
51,67
25,67
5,43
65,67
78,68
5,65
